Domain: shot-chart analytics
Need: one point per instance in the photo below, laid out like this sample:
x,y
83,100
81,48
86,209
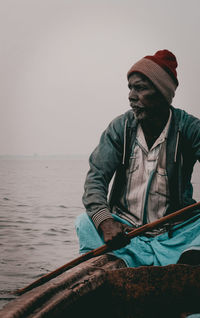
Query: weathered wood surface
x,y
54,297
158,292
103,287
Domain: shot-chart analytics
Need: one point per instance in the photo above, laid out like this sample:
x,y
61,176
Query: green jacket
x,y
111,157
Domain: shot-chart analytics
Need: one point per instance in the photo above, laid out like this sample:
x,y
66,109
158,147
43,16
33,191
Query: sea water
x,y
39,201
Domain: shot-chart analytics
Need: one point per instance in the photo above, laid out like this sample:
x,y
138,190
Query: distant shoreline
x,y
38,157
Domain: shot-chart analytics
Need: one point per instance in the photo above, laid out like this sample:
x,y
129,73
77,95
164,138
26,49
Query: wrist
x,y
101,216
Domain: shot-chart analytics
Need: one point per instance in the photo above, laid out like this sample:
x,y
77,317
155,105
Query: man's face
x,y
145,100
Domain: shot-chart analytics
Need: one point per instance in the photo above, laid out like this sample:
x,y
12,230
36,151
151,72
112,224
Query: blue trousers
x,y
142,251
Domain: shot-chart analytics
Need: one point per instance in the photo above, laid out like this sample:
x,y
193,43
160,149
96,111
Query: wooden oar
x,y
104,248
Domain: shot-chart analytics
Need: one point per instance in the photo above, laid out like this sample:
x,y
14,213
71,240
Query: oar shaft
x,y
55,273
45,278
104,248
164,219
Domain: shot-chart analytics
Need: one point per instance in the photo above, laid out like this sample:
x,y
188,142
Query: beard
x,y
150,113
139,112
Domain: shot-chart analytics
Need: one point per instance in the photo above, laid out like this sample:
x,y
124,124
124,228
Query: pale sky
x,y
63,66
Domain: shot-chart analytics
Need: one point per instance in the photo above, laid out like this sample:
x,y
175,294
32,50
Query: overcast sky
x,y
63,66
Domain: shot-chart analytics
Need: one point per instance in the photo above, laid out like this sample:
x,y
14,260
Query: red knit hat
x,y
160,68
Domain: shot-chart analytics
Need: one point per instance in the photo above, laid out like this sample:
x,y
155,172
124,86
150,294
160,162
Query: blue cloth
x,y
142,251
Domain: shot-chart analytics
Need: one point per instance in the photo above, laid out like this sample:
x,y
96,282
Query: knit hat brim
x,y
161,79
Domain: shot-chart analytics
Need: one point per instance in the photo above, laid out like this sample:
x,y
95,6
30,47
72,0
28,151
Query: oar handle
x,y
104,248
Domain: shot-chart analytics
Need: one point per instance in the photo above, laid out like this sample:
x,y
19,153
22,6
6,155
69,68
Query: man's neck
x,y
152,128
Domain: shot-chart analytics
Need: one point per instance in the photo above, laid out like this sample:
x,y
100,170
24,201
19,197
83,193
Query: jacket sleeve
x,y
103,162
191,129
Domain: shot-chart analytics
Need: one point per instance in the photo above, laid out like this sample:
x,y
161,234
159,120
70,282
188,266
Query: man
x,y
151,150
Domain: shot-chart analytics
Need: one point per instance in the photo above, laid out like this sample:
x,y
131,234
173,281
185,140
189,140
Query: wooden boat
x,y
104,287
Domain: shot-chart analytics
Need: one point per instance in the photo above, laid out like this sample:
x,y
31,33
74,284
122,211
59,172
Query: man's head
x,y
145,99
160,69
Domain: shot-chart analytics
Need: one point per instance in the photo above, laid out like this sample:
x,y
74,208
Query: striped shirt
x,y
146,197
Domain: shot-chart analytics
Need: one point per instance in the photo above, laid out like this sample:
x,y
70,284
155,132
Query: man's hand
x,y
114,233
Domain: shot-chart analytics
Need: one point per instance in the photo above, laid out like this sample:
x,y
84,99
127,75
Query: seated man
x,y
151,150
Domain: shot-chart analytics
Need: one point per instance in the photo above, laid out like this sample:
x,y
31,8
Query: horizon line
x,y
42,155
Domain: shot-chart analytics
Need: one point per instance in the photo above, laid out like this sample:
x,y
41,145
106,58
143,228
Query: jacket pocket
x,y
159,193
133,165
134,161
162,182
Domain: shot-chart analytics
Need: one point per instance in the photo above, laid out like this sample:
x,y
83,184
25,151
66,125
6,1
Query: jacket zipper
x,y
124,150
176,148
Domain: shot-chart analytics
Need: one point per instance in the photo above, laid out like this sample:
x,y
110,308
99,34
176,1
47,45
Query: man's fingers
x,y
118,242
